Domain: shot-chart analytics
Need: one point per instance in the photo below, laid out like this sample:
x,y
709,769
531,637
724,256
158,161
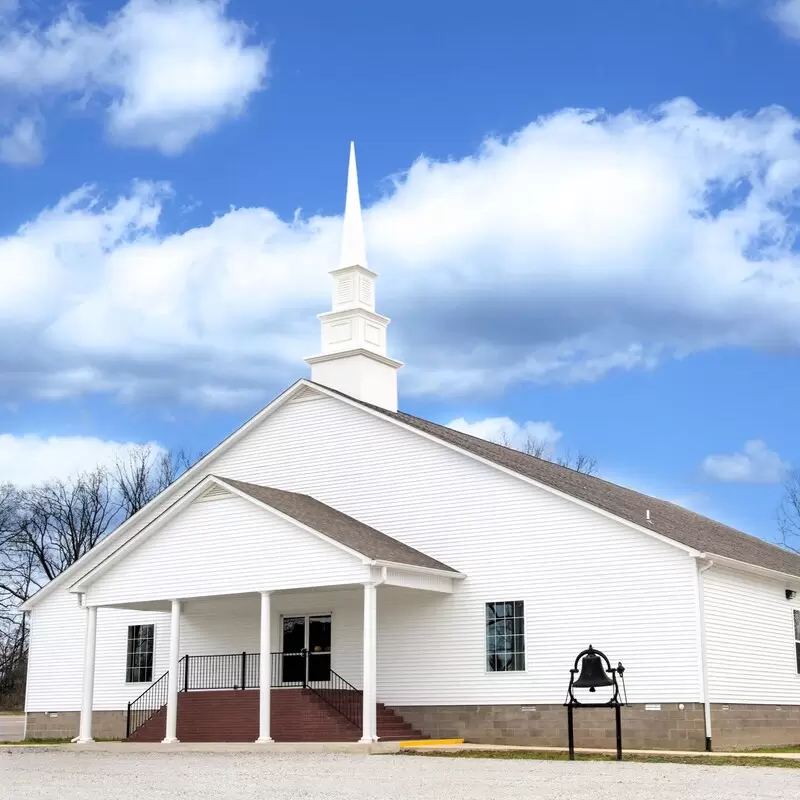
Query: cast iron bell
x,y
593,675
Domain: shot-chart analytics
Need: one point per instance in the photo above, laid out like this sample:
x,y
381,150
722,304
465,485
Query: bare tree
x,y
46,528
789,513
13,631
61,520
540,448
144,473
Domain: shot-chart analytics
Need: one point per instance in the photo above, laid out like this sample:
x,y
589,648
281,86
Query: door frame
x,y
305,615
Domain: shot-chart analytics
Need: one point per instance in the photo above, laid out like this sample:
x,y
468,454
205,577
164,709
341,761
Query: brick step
x,y
297,716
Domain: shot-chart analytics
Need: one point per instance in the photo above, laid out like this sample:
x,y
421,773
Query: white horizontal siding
x,y
749,639
584,578
227,546
55,672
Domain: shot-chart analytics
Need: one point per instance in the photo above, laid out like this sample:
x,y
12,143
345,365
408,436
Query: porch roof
x,y
340,527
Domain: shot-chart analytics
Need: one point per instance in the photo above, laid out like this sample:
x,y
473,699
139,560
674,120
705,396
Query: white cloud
x,y
164,71
756,464
29,459
506,431
22,145
583,244
786,14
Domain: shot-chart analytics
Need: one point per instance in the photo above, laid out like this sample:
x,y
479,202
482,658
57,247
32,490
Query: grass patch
x,y
39,741
52,741
715,761
11,713
786,749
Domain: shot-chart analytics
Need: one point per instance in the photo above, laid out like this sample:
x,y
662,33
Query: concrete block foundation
x,y
658,726
64,724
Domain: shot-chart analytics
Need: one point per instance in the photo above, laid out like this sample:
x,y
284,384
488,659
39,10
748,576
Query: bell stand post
x,y
595,672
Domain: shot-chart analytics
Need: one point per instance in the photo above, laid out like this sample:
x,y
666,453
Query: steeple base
x,y
366,376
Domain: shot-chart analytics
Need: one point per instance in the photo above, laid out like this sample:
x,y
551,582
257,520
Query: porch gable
x,y
225,545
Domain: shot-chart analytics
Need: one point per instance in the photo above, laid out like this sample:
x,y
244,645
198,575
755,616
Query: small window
x,y
139,665
797,637
505,637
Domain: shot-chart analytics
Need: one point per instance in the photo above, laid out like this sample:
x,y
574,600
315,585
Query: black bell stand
x,y
593,681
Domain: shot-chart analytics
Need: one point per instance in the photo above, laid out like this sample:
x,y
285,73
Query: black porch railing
x,y
242,671
236,671
149,702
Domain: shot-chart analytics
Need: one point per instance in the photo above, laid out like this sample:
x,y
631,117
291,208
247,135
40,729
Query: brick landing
x,y
297,716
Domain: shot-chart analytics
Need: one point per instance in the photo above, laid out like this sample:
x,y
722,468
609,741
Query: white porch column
x,y
87,698
173,680
369,725
265,671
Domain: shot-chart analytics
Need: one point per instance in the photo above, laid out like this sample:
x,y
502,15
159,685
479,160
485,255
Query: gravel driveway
x,y
48,773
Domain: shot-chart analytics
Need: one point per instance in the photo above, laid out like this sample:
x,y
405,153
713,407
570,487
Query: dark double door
x,y
306,649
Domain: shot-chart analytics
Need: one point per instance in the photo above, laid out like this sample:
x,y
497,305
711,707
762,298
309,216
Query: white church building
x,y
337,570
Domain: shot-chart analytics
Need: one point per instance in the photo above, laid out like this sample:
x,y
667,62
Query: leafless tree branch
x,y
46,528
539,448
789,513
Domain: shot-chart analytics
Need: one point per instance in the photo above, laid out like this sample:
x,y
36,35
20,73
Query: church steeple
x,y
354,251
353,357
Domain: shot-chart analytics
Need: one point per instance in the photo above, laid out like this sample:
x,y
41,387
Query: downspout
x,y
703,657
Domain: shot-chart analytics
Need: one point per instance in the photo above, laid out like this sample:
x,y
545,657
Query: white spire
x,y
354,251
353,358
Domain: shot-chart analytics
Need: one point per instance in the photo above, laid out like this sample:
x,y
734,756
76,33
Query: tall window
x,y
505,636
139,664
797,637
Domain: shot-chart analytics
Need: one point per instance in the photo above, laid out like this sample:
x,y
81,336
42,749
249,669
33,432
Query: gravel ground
x,y
39,774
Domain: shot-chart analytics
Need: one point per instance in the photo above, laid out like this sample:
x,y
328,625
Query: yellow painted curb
x,y
430,742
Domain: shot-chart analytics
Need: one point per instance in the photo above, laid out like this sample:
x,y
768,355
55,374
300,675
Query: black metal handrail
x,y
342,696
149,702
313,671
242,671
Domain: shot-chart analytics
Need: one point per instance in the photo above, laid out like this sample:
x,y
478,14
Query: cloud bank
x,y
30,459
160,72
583,244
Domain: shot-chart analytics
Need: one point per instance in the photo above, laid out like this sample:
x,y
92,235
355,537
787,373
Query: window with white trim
x,y
505,636
797,637
139,660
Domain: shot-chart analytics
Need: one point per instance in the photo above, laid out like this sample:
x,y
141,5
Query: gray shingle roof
x,y
337,526
667,519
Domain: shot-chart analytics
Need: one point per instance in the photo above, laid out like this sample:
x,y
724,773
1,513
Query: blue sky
x,y
583,214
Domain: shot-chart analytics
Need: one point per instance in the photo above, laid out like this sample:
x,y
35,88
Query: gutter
x,y
703,565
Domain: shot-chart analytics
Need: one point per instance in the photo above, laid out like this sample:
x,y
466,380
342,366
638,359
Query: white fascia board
x,y
752,569
455,448
444,573
115,538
